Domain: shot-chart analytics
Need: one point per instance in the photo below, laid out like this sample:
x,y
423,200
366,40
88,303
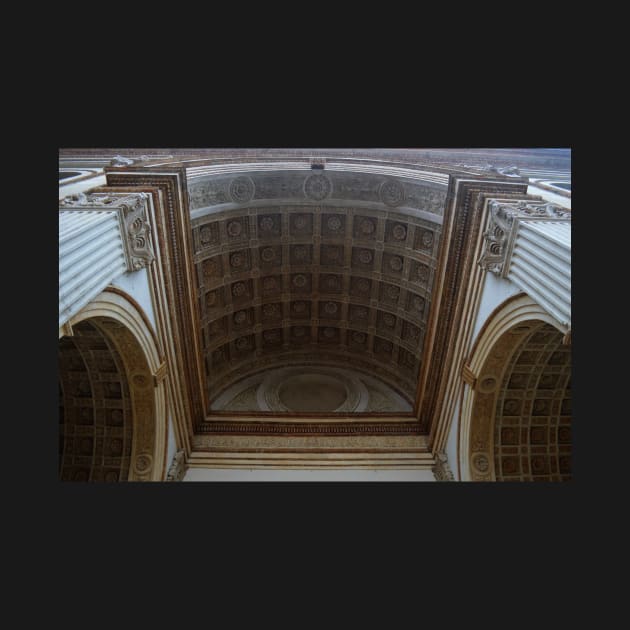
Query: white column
x,y
101,237
529,243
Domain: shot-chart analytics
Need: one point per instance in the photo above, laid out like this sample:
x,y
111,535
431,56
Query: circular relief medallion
x,y
299,307
300,252
300,222
392,193
365,256
140,380
329,333
418,303
389,319
480,462
399,232
116,447
299,280
143,463
270,284
392,292
396,263
237,260
333,224
422,273
210,267
367,226
385,346
205,235
427,239
358,337
268,254
299,331
361,313
317,187
240,317
211,299
271,310
239,289
363,285
331,308
242,343
234,228
242,189
487,385
266,224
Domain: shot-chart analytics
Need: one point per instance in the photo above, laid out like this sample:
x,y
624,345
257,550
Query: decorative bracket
x,y
178,467
442,470
503,226
133,217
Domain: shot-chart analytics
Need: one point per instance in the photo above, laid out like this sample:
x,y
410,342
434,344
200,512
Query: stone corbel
x,y
503,225
133,217
178,467
441,470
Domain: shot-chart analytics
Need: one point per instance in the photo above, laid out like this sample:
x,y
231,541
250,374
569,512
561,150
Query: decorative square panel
x,y
272,338
541,407
364,227
331,255
300,309
301,224
389,293
269,226
548,381
358,315
300,283
240,261
383,348
301,254
330,283
333,225
512,407
415,304
518,380
539,465
299,335
386,322
538,435
328,335
424,239
217,328
208,234
411,334
329,310
407,361
419,273
215,299
357,340
362,258
509,435
396,232
392,265
270,256
220,357
243,318
360,287
242,291
510,465
212,269
271,312
237,229
244,345
270,286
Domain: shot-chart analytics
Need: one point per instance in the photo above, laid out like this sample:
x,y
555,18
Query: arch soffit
x,y
488,360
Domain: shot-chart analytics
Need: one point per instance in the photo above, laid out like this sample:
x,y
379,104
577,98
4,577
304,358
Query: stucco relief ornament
x,y
271,310
300,222
120,160
240,317
358,337
243,343
392,193
300,252
266,224
329,333
268,254
234,228
331,308
334,224
317,187
239,289
299,280
177,469
396,263
367,226
237,260
399,232
242,189
365,256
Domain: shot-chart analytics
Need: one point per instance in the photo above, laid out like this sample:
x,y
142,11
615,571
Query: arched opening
x,y
516,418
112,408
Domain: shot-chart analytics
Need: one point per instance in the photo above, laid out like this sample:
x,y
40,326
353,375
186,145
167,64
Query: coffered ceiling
x,y
304,265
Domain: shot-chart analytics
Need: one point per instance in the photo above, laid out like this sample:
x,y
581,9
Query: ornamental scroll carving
x,y
133,216
441,470
178,467
502,227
